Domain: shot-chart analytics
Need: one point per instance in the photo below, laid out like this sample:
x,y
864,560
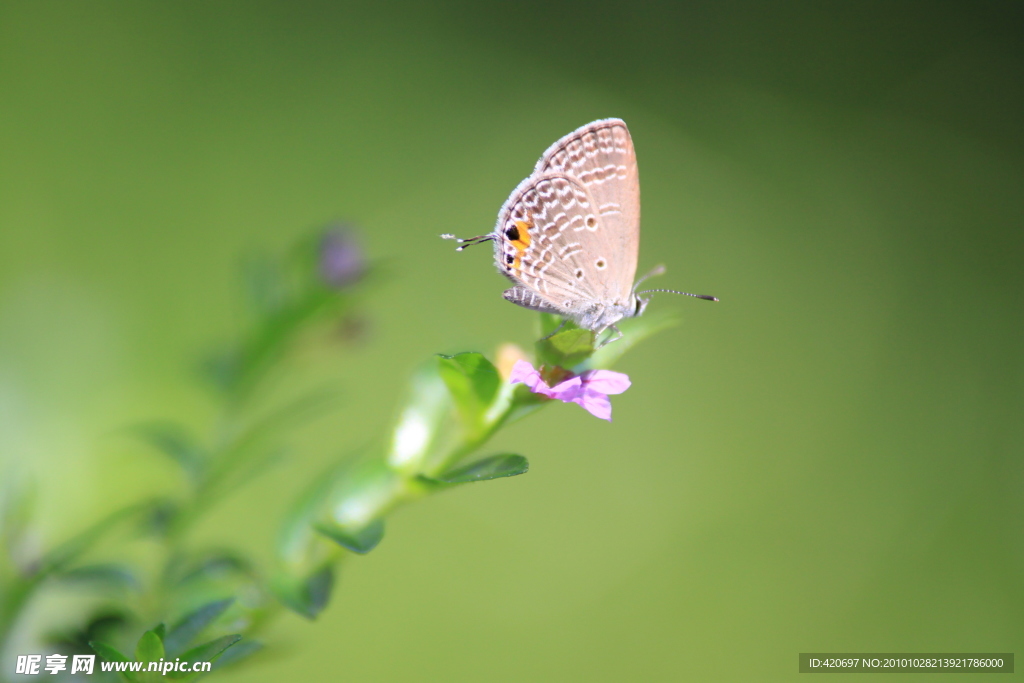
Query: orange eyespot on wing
x,y
519,236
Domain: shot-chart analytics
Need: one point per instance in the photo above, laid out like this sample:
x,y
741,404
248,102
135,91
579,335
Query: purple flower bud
x,y
589,390
341,258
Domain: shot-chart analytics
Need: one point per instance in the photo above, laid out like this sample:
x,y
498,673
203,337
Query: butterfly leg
x,y
555,331
612,338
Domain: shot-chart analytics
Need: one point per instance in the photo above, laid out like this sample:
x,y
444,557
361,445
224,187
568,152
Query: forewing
x,y
544,237
600,157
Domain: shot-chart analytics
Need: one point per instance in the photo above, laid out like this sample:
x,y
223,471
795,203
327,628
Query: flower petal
x,y
523,372
597,404
606,381
589,390
568,390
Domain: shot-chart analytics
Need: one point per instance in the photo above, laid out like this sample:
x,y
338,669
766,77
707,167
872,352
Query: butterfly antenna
x,y
706,297
468,242
653,272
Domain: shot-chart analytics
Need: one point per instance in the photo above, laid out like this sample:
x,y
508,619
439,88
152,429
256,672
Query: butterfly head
x,y
637,304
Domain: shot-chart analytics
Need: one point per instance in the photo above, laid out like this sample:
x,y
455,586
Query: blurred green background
x,y
828,460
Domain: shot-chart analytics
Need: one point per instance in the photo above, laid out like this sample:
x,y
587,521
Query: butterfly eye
x,y
512,233
509,258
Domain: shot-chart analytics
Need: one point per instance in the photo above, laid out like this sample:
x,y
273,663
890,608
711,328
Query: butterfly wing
x,y
600,157
541,239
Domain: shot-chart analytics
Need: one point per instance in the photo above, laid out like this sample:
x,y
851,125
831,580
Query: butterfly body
x,y
568,236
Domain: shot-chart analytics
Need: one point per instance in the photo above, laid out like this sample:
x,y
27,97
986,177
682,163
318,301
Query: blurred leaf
x,y
65,553
186,630
160,517
149,648
17,504
105,575
161,631
216,564
567,348
110,654
207,652
20,549
296,527
306,596
237,653
249,454
177,443
264,285
634,331
103,625
473,382
362,541
318,589
239,370
493,467
421,424
293,413
220,369
238,467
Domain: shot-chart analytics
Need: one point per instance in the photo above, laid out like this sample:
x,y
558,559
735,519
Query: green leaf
x,y
161,631
17,506
107,652
294,540
493,467
240,370
306,596
102,624
110,654
60,557
473,382
422,421
149,648
634,331
192,624
207,652
215,565
237,653
176,443
318,589
102,575
254,449
567,348
362,541
266,289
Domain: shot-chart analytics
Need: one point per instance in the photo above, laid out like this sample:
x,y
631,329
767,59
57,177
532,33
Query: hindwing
x,y
600,156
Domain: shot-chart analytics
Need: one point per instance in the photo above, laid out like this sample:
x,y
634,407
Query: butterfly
x,y
568,236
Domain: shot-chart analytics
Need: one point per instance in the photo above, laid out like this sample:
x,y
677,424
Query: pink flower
x,y
590,390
